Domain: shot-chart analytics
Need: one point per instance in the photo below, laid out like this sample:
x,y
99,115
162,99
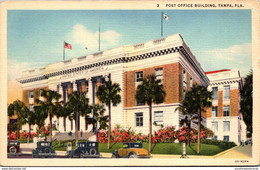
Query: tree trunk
x,y
76,128
50,126
109,127
18,129
150,128
199,121
29,132
96,124
189,136
38,130
189,132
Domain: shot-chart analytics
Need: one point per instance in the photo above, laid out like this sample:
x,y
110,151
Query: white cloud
x,y
233,57
232,53
15,69
83,37
110,36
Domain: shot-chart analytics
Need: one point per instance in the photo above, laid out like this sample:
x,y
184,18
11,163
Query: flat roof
x,y
217,71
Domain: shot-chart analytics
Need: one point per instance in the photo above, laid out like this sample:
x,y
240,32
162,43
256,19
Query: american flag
x,y
67,45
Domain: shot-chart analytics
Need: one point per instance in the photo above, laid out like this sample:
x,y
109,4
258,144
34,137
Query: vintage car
x,y
44,149
13,148
131,150
84,149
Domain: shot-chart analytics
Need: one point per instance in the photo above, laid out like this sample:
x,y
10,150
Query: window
x,y
31,107
214,93
226,138
226,126
159,74
86,122
138,76
30,94
139,119
138,103
71,124
158,117
226,111
214,112
191,82
184,76
184,79
214,126
215,138
184,83
226,92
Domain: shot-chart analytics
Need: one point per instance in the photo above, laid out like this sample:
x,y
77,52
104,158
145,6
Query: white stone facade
x,y
114,63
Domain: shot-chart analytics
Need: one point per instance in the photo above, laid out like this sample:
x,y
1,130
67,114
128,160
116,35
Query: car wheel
x,y
114,156
132,155
47,150
92,151
12,149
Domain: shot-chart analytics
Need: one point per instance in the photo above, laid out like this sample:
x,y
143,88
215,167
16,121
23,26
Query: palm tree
x,y
50,104
150,91
62,111
98,116
200,98
19,109
39,116
30,119
77,104
108,94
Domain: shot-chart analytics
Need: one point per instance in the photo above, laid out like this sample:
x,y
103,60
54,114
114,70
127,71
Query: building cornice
x,y
103,63
125,58
225,81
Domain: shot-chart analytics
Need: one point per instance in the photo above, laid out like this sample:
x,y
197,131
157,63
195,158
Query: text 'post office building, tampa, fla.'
x,y
169,58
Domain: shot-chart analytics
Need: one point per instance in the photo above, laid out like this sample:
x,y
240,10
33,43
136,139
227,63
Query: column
x,y
90,92
64,96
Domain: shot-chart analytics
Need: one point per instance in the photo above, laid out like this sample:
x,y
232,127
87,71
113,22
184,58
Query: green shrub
x,y
25,141
222,144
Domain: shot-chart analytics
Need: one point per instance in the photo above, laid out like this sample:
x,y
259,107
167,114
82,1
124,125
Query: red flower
x,y
182,138
194,137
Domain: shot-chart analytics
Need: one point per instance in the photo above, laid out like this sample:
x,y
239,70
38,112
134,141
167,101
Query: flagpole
x,y
162,24
63,51
99,36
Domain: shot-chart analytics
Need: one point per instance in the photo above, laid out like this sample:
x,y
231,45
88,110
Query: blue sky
x,y
219,39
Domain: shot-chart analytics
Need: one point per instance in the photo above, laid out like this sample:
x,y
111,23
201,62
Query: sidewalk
x,y
237,152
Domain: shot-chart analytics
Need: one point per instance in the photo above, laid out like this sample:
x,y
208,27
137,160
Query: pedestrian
x,y
81,133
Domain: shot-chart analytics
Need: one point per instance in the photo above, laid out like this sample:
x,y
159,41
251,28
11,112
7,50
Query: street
x,y
239,152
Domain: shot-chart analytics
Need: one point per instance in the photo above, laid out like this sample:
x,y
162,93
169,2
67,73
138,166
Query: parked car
x,y
13,147
84,149
248,141
131,150
44,149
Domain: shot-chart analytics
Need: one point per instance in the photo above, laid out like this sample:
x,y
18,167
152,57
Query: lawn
x,y
172,148
159,148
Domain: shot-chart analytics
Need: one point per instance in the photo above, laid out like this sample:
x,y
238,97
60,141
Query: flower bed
x,y
163,135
